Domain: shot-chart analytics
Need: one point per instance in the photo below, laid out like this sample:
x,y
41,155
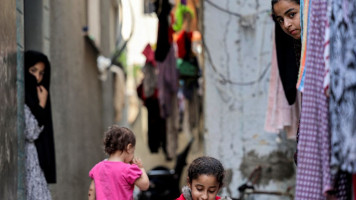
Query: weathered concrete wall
x,y
8,100
77,99
238,37
106,42
20,38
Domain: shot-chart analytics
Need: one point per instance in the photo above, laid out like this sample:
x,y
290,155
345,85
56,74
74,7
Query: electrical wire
x,y
222,78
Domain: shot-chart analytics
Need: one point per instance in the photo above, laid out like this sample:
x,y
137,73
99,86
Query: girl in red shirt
x,y
205,179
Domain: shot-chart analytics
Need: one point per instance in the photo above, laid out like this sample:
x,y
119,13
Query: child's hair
x,y
117,138
206,165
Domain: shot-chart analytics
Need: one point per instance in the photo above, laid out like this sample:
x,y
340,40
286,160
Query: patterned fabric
x,y
36,185
343,85
313,170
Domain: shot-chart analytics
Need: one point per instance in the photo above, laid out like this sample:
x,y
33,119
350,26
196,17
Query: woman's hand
x,y
42,95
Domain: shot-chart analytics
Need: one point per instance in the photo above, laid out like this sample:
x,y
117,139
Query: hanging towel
x,y
280,115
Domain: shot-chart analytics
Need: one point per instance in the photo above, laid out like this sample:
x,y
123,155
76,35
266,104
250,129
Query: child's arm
x,y
143,182
91,193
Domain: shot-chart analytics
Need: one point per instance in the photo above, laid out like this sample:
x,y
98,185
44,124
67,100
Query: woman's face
x,y
287,15
205,187
37,71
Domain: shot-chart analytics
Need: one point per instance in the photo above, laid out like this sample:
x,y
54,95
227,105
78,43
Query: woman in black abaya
x,y
38,118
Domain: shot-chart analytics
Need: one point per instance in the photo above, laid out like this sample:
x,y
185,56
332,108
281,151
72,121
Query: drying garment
x,y
45,142
156,126
149,54
172,127
343,85
119,96
180,13
304,15
36,185
167,83
314,177
191,111
288,55
280,115
150,80
165,31
184,44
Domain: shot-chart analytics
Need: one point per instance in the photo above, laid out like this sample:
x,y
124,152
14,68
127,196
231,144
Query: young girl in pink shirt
x,y
116,177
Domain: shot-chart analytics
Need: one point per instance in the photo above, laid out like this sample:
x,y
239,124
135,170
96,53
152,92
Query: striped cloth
x,y
304,23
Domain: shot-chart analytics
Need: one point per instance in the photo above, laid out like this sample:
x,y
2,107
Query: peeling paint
x,y
276,166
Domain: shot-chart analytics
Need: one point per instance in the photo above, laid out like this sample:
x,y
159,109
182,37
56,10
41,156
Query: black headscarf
x,y
288,56
45,142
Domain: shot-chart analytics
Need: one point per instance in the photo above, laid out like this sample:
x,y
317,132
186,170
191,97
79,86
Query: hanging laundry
x,y
150,54
305,17
314,179
172,127
167,83
168,87
343,84
148,92
165,31
182,13
280,115
150,72
184,43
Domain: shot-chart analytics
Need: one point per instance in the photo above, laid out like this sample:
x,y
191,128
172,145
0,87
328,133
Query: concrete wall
x,y
10,124
238,37
80,101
